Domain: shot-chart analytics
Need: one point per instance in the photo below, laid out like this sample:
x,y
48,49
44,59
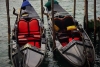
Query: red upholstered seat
x,y
22,27
34,25
75,38
64,44
37,44
70,39
29,32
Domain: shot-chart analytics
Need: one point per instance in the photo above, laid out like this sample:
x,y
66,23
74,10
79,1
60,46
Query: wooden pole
x,y
74,8
8,19
42,11
94,21
86,15
52,7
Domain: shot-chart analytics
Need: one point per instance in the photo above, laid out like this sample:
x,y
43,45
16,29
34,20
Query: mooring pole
x,y
86,16
94,21
52,7
8,19
74,8
42,9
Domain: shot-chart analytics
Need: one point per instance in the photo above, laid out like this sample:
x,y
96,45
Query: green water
x,y
66,4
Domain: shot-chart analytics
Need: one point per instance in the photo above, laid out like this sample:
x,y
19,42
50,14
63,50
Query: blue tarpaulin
x,y
25,3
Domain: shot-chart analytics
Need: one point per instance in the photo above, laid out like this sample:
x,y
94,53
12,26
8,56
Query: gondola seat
x,y
76,35
65,25
61,23
68,36
29,32
63,37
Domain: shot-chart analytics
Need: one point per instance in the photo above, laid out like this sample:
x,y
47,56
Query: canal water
x,y
66,4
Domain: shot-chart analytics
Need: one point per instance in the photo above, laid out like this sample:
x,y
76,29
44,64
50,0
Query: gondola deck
x,y
31,12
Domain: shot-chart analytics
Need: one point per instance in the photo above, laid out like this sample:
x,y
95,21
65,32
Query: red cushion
x,y
76,38
29,28
37,44
34,25
31,43
64,44
70,39
22,27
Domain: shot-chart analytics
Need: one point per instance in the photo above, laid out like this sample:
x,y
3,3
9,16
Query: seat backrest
x,y
76,35
28,26
63,23
22,26
68,21
34,25
57,24
26,31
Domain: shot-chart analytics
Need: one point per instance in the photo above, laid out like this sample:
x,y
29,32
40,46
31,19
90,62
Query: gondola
x,y
72,42
28,43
